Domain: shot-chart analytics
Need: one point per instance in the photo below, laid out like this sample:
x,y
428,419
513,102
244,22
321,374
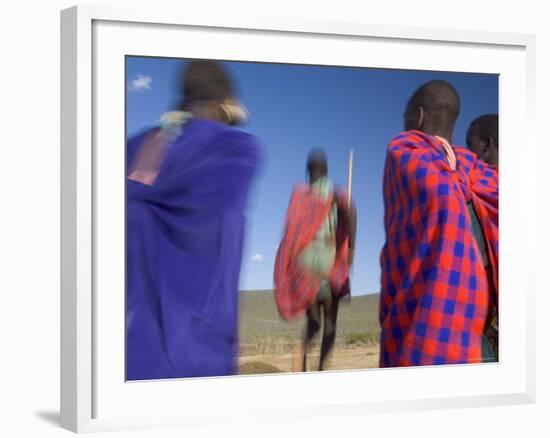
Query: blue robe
x,y
184,239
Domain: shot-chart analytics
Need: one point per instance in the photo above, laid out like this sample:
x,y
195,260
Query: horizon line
x,y
271,290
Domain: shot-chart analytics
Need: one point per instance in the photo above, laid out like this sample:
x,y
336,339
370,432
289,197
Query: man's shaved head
x,y
206,80
433,108
482,138
317,164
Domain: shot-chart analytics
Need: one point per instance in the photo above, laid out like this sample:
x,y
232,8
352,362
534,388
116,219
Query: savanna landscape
x,y
267,341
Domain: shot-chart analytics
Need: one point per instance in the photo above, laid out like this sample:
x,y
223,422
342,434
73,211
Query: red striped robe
x,y
296,288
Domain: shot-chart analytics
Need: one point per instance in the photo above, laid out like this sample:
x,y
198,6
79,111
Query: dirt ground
x,y
342,358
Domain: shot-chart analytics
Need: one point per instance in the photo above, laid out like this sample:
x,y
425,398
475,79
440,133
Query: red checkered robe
x,y
435,294
296,288
484,183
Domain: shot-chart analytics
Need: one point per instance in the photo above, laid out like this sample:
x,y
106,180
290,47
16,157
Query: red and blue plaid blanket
x,y
435,294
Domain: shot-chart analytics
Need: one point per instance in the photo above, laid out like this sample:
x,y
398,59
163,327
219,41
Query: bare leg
x,y
312,327
330,310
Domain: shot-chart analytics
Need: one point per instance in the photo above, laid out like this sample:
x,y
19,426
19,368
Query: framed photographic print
x,y
268,217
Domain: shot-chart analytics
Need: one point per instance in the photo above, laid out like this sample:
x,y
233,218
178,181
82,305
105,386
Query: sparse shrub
x,y
274,345
365,338
258,368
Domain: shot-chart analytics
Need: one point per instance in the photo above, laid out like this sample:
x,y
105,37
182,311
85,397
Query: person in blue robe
x,y
188,181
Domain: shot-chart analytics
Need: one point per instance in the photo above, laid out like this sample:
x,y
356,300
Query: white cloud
x,y
258,258
140,82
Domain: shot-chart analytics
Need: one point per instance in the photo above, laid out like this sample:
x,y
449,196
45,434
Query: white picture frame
x,y
93,397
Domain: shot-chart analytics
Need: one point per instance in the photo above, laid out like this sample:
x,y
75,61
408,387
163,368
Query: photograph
x,y
305,218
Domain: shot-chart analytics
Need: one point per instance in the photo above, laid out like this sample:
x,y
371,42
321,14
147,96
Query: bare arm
x,y
352,229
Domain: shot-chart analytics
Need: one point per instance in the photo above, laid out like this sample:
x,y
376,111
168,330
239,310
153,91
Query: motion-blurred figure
x,y
313,259
436,290
187,187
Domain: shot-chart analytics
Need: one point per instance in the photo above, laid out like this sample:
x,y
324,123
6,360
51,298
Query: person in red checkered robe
x,y
482,140
313,258
435,290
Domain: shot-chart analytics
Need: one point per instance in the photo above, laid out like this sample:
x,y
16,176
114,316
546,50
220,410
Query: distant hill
x,y
260,320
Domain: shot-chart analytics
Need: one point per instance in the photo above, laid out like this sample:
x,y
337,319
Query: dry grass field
x,y
267,340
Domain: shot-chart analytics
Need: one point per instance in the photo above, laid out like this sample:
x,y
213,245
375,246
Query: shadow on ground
x,y
51,417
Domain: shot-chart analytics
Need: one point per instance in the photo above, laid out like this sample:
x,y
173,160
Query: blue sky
x,y
295,108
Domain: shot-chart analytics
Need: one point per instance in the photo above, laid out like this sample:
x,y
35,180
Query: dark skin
x,y
352,224
486,148
420,119
329,304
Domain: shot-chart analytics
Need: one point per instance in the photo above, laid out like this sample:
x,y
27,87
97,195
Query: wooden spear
x,y
350,174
